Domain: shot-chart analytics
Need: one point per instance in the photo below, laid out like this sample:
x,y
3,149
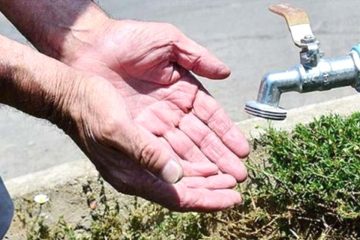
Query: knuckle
x,y
148,156
170,26
208,140
220,122
110,127
173,32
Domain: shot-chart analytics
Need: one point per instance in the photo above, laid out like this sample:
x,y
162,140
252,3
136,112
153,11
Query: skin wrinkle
x,y
185,163
147,154
171,73
242,148
222,126
185,155
29,92
195,64
184,53
157,49
184,107
166,96
172,119
203,110
179,145
176,73
6,75
59,52
208,141
226,132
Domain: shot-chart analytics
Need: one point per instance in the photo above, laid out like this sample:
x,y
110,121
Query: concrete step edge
x,y
61,174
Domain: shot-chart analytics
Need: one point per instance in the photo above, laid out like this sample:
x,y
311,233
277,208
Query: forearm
x,y
54,26
34,83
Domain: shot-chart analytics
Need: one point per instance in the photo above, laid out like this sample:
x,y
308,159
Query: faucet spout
x,y
274,84
328,74
271,88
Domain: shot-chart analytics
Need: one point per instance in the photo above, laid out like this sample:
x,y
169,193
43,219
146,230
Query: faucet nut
x,y
308,39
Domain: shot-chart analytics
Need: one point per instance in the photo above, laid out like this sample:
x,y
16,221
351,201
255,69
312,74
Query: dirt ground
x,y
68,201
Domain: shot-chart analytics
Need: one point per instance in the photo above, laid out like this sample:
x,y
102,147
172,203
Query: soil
x,y
70,202
67,201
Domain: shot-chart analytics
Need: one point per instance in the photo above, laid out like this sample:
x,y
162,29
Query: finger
x,y
205,200
165,73
213,147
163,123
203,169
128,177
198,59
159,118
212,182
213,115
148,151
176,197
184,146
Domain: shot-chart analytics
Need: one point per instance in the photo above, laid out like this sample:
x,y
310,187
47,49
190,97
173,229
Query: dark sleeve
x,y
6,210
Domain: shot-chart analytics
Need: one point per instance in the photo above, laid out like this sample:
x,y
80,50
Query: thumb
x,y
147,150
199,60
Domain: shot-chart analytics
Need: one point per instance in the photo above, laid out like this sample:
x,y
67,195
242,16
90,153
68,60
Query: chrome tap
x,y
314,73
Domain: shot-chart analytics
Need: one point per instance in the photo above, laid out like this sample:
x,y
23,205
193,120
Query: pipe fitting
x,y
328,74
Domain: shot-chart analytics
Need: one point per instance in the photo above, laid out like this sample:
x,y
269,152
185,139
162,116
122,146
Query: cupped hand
x,y
148,64
132,152
155,52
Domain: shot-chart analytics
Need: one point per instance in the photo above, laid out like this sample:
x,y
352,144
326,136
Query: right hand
x,y
134,160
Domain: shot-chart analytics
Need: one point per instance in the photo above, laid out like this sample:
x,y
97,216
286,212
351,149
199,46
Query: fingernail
x,y
224,70
172,172
240,202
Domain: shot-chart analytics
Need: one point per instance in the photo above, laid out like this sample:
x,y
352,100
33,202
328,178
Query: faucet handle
x,y
298,23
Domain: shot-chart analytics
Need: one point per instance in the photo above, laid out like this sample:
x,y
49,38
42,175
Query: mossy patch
x,y
303,184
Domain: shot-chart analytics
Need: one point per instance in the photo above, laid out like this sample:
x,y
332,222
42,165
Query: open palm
x,y
150,72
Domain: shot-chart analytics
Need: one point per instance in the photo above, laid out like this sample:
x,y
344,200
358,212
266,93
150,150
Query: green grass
x,y
303,184
310,178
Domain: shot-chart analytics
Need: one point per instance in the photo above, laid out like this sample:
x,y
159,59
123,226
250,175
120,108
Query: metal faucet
x,y
314,73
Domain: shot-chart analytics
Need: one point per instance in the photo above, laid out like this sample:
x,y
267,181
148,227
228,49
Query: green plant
x,y
311,178
33,218
303,184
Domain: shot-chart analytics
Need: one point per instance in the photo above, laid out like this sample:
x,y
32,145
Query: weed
x,y
304,184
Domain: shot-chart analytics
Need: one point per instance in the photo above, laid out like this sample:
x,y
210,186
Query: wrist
x,y
36,84
53,27
64,40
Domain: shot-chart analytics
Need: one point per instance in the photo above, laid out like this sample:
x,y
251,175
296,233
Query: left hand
x,y
148,51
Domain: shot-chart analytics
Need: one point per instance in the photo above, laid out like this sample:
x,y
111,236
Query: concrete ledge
x,y
67,172
343,106
49,178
